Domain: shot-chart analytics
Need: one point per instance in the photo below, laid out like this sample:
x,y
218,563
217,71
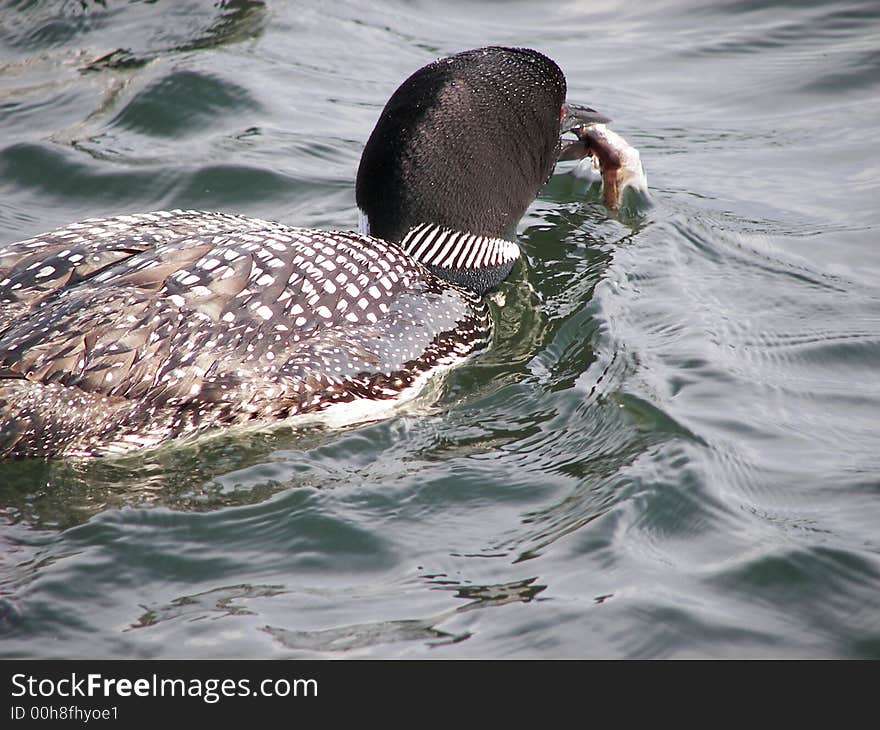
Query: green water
x,y
671,448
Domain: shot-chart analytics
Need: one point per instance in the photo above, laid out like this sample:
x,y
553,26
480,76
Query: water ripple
x,y
670,448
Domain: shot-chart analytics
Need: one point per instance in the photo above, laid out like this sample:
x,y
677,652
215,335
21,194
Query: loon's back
x,y
128,331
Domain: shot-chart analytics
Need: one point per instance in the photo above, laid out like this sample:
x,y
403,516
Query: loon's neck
x,y
479,263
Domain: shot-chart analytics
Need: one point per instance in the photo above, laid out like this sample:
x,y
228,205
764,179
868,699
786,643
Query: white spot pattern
x,y
163,324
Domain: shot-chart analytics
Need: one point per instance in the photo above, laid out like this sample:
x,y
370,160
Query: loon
x,y
126,332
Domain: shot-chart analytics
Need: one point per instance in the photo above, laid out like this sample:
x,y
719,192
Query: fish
x,y
615,160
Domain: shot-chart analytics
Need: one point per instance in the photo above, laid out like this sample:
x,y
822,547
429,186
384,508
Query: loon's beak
x,y
576,118
580,116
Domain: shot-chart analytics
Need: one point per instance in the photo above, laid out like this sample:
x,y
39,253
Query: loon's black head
x,y
464,145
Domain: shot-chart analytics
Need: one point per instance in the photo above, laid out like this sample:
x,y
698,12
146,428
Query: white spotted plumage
x,y
168,323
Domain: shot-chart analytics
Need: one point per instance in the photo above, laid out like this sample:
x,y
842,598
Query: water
x,y
671,449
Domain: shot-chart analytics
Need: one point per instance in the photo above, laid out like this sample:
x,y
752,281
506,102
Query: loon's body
x,y
125,332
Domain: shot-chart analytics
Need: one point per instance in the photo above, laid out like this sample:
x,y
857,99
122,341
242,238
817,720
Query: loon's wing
x,y
38,266
174,329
